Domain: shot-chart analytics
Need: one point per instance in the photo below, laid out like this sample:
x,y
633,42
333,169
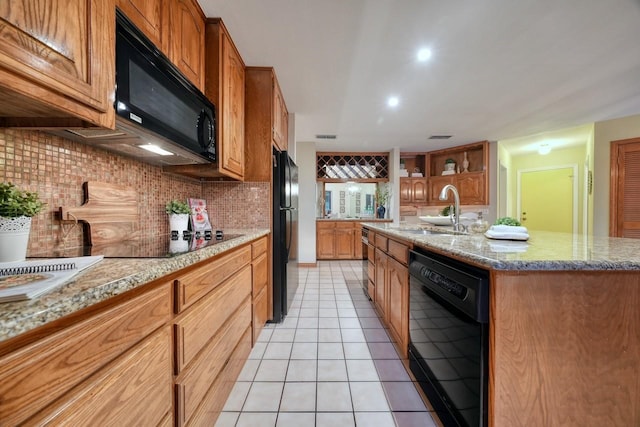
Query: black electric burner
x,y
159,246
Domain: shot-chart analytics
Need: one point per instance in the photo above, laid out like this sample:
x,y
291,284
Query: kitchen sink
x,y
425,232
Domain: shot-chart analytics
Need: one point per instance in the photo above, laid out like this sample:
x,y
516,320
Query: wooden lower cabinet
x,y
193,385
381,287
166,353
260,287
398,303
36,375
133,390
390,285
338,240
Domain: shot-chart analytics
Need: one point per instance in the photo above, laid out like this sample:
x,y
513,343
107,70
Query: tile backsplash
x,y
56,169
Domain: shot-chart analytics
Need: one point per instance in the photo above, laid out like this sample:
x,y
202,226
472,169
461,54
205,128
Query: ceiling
x,y
500,69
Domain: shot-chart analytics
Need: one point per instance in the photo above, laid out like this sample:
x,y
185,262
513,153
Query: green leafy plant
x,y
15,202
447,210
177,207
381,196
449,160
507,220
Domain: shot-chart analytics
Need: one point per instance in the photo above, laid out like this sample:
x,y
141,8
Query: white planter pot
x,y
14,238
178,222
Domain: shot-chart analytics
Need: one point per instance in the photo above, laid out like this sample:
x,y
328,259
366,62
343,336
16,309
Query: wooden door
x,y
419,190
186,39
547,199
232,143
398,296
405,191
436,184
344,242
624,209
325,241
60,53
381,280
279,115
471,188
147,16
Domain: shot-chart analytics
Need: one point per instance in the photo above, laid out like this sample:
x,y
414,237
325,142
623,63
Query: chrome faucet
x,y
456,198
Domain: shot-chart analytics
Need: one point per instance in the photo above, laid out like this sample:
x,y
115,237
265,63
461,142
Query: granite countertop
x,y
543,251
108,278
356,219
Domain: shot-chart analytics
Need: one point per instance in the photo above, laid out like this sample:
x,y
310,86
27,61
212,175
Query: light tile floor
x,y
329,363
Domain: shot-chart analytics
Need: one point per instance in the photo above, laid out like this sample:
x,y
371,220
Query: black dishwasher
x,y
448,334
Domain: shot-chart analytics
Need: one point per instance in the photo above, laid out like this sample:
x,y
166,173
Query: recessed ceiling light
x,y
155,149
424,54
393,101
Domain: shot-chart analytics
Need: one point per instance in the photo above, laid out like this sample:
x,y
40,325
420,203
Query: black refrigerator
x,y
285,233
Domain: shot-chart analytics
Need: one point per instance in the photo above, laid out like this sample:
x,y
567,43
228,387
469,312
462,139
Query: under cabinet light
x,y
155,149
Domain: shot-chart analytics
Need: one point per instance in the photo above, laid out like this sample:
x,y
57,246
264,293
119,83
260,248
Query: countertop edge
x,y
469,247
102,282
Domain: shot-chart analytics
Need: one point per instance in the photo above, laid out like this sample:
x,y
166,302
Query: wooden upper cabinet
x,y
413,191
147,15
225,81
280,118
57,62
266,122
185,39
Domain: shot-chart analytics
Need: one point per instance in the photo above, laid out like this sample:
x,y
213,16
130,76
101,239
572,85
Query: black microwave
x,y
153,96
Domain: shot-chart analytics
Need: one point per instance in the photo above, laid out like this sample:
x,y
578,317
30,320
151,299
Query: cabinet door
x,y
279,118
325,240
32,377
381,284
419,190
232,110
147,16
436,184
186,39
471,188
357,242
344,243
405,191
135,390
398,304
58,58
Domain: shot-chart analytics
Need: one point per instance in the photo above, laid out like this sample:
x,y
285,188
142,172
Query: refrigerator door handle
x,y
288,209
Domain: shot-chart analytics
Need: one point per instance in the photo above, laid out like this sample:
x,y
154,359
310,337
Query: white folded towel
x,y
494,234
509,229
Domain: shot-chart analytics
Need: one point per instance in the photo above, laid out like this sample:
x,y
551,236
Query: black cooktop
x,y
158,246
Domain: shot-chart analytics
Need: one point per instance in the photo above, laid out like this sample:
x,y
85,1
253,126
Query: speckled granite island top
x,y
543,250
108,278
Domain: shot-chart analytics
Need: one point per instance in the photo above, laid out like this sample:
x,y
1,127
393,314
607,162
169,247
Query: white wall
x,y
604,133
306,161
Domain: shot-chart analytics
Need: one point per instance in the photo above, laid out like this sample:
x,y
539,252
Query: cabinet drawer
x,y
36,375
258,248
212,404
134,390
399,251
381,242
205,318
193,384
192,286
325,225
345,225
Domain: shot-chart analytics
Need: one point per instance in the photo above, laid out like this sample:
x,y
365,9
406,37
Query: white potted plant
x,y
17,207
178,215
